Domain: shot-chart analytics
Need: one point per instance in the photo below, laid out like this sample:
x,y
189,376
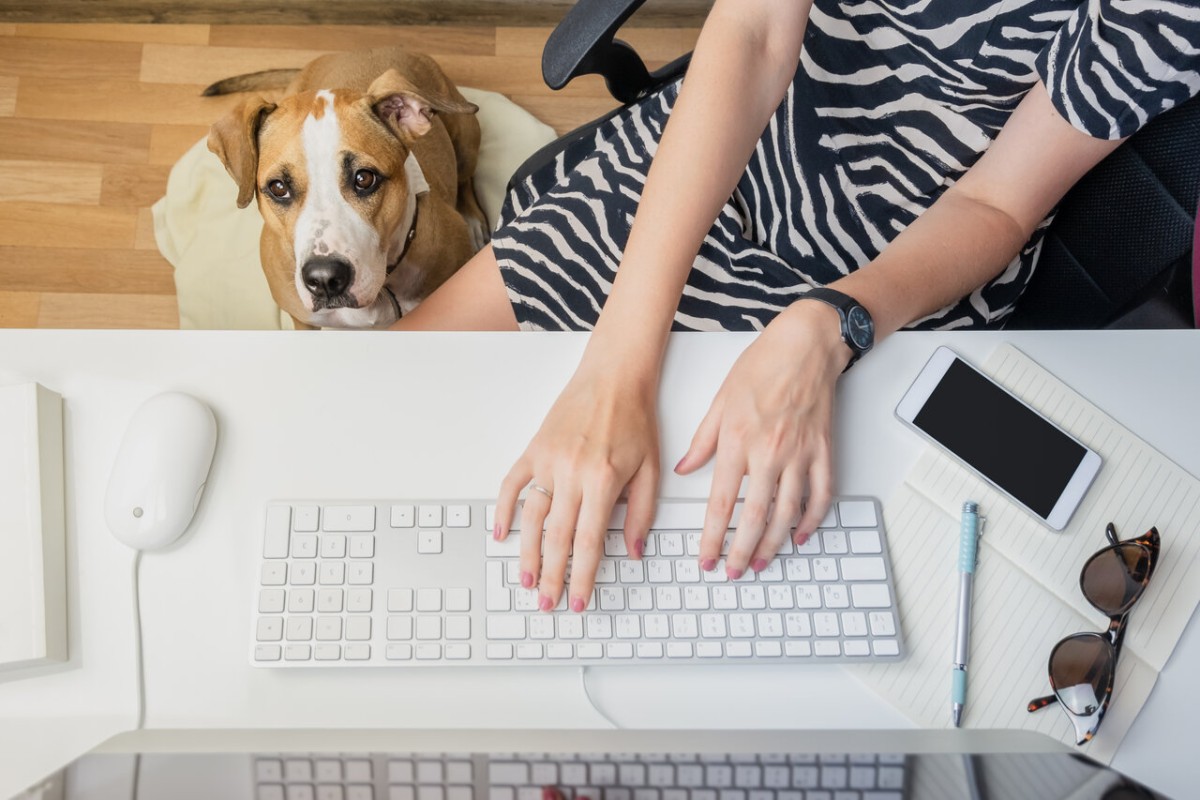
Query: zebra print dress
x,y
892,102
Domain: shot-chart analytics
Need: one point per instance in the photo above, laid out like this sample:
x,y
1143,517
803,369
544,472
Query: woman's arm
x,y
601,435
976,228
772,418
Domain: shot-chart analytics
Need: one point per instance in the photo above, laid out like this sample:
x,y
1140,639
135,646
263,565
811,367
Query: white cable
x,y
137,628
586,693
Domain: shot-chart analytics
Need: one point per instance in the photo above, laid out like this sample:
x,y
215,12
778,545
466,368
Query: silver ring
x,y
549,494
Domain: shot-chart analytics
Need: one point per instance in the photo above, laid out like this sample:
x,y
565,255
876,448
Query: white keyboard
x,y
423,583
596,776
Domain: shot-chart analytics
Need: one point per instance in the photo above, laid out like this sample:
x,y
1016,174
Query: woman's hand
x,y
771,421
600,437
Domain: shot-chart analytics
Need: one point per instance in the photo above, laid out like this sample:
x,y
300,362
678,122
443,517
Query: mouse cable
x,y
583,673
137,631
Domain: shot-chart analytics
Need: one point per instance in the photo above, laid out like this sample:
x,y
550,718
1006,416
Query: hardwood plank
x,y
168,143
61,269
64,182
652,44
143,237
80,61
36,224
181,64
19,309
8,95
7,29
66,140
138,185
119,101
425,38
174,34
514,75
346,12
135,311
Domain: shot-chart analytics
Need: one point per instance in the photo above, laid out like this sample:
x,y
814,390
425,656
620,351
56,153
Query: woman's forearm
x,y
744,61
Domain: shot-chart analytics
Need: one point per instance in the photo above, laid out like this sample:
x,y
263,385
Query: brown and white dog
x,y
363,172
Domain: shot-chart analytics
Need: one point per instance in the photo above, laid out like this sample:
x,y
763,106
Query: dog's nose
x,y
326,277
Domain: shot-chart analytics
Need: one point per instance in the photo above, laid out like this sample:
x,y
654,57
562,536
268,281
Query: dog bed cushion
x,y
213,244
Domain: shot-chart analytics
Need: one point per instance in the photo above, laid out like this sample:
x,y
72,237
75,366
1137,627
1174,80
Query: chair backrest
x,y
1119,253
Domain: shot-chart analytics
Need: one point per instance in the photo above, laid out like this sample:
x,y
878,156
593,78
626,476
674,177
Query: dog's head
x,y
329,171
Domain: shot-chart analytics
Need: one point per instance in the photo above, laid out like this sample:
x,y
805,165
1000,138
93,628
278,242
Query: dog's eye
x,y
279,190
365,181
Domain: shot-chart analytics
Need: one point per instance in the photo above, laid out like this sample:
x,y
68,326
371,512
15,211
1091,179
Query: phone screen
x,y
1000,437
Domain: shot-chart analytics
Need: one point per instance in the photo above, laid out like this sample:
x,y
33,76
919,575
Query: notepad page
x,y
1015,624
1137,487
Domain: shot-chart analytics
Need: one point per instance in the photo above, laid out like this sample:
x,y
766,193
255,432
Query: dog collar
x,y
417,186
412,232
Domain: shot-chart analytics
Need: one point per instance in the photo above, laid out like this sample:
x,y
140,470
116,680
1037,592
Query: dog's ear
x,y
408,110
234,139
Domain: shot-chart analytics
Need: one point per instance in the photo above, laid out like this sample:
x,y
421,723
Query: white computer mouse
x,y
160,470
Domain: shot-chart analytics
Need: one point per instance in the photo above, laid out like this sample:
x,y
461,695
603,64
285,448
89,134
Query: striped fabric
x,y
892,102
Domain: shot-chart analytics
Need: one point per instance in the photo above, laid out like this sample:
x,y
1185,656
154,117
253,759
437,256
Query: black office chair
x,y
1117,255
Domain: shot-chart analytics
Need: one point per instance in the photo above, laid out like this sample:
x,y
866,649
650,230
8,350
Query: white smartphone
x,y
1014,448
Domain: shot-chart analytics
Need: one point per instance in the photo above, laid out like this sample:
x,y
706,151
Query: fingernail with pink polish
x,y
527,579
801,538
708,564
758,565
639,547
545,603
577,604
496,532
734,573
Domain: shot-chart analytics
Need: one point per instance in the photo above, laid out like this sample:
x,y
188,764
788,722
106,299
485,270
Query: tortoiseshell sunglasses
x,y
1083,665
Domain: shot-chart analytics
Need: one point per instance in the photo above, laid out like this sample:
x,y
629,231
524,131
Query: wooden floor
x,y
92,116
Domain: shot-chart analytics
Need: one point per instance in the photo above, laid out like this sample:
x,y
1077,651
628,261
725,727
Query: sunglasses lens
x,y
1114,578
1080,669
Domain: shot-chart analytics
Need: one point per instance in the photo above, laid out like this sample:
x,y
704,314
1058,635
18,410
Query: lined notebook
x,y
1027,595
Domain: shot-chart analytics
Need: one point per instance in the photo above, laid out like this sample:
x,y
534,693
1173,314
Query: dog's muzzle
x,y
327,280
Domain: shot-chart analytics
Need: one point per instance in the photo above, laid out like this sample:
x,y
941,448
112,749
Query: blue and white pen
x,y
967,556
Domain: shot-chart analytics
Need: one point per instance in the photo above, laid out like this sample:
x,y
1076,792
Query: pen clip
x,y
979,530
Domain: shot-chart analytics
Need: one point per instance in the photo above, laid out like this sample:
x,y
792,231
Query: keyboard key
x,y
863,569
458,599
329,601
349,519
886,647
266,652
865,542
400,600
429,542
429,599
403,516
274,573
458,516
429,516
362,546
270,629
398,652
304,545
333,545
506,627
278,531
304,573
857,513
870,595
399,628
270,601
834,542
882,623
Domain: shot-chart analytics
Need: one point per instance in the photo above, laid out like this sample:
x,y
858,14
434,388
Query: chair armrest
x,y
583,43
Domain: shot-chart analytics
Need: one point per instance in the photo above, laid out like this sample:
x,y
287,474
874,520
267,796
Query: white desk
x,y
344,415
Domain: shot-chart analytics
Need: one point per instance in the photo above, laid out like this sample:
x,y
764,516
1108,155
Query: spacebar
x,y
506,627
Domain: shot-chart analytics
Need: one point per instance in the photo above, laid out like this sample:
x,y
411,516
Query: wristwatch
x,y
858,329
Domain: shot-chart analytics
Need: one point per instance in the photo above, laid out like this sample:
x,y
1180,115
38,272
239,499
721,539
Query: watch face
x,y
860,327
